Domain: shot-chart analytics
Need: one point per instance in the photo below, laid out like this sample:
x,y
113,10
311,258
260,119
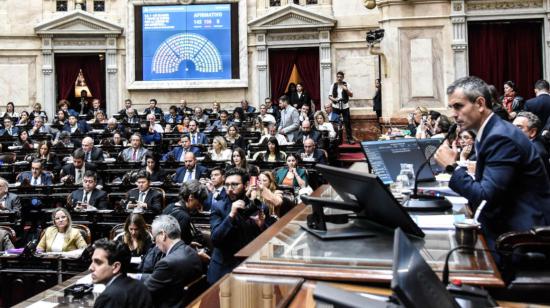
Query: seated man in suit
x,y
9,201
110,263
200,116
9,129
191,170
331,115
194,134
113,127
40,128
91,153
306,132
183,109
36,177
221,125
266,117
310,154
509,176
89,197
178,153
74,126
272,109
530,125
76,169
173,117
245,109
145,197
136,152
153,109
180,266
96,107
5,241
124,113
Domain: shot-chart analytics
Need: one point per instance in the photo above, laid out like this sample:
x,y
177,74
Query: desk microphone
x,y
429,203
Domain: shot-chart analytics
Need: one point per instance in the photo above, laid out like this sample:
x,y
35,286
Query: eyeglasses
x,y
232,185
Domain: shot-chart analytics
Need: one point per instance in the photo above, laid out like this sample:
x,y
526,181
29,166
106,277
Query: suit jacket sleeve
x,y
156,202
6,242
295,120
101,201
221,226
15,204
161,276
501,155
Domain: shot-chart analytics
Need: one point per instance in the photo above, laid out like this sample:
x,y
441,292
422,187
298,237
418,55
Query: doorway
x,y
67,68
499,51
298,65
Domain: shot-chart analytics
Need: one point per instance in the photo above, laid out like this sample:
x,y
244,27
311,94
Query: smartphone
x,y
253,180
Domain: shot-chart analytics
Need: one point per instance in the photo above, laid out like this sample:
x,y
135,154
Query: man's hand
x,y
259,219
445,155
239,204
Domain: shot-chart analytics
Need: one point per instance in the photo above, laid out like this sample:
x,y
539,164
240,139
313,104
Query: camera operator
x,y
235,221
339,94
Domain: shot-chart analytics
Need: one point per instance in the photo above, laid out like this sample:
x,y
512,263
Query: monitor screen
x,y
185,42
414,282
428,146
377,203
385,158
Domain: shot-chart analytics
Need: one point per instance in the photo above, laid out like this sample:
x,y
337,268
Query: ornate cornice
x,y
481,5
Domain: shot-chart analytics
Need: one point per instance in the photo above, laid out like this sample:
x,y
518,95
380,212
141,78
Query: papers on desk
x,y
135,260
445,222
43,304
98,287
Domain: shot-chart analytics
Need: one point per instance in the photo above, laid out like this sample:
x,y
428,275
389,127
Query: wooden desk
x,y
286,249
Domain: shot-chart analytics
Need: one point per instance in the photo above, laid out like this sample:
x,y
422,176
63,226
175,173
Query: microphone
x,y
429,203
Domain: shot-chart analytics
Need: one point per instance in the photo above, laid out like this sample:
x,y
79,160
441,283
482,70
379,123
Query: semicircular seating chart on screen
x,y
187,46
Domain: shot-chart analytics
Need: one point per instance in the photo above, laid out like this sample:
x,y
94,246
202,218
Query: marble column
x,y
325,59
261,66
48,65
111,67
460,40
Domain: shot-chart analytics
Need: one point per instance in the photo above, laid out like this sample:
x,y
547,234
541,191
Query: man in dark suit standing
x,y
540,105
191,170
509,175
89,197
180,266
110,263
145,197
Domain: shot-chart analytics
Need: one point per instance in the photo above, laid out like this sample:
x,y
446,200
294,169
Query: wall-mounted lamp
x,y
370,4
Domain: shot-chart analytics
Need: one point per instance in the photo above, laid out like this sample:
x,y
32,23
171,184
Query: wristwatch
x,y
451,168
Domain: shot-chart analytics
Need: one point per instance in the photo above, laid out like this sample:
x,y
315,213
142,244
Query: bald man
x,y
310,154
191,171
91,153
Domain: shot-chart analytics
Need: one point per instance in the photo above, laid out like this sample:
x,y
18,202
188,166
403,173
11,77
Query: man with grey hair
x,y
509,175
180,265
530,125
9,201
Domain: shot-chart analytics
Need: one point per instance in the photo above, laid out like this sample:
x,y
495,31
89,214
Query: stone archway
x,y
292,27
79,32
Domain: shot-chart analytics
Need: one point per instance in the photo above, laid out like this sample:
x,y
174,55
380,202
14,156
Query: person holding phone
x,y
89,197
339,95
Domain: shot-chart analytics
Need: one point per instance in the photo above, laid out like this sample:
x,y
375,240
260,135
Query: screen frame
x,y
239,52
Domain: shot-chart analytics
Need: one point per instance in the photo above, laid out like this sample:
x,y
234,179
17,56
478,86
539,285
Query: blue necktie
x,y
189,175
193,140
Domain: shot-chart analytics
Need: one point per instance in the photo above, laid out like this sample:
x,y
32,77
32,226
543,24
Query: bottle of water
x,y
406,177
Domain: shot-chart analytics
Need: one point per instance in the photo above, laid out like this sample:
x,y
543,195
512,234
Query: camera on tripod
x,y
375,36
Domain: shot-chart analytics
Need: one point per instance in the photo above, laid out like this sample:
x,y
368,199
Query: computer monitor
x,y
373,199
429,146
385,158
414,283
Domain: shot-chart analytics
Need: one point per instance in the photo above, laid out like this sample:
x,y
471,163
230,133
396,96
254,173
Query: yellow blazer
x,y
73,240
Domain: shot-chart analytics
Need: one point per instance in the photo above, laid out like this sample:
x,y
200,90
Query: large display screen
x,y
186,42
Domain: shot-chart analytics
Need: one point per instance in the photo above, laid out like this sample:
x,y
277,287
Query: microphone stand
x,y
427,202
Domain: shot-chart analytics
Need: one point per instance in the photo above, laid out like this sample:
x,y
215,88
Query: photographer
x,y
340,92
235,221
